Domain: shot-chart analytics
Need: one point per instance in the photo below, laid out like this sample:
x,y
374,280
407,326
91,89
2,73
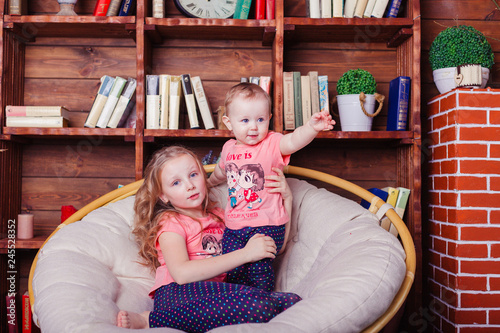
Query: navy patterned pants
x,y
202,306
259,274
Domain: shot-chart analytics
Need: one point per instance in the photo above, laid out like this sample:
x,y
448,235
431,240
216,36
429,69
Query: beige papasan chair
x,y
352,274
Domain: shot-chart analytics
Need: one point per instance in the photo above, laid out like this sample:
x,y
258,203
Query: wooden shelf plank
x,y
32,243
187,133
69,131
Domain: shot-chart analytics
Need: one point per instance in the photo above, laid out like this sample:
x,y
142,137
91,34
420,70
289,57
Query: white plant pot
x,y
444,78
352,117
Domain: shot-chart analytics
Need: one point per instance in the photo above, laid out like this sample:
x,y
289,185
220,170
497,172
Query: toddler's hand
x,y
259,247
321,121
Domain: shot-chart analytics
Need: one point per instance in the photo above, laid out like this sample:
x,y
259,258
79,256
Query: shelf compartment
x,y
404,136
28,27
23,244
392,31
210,29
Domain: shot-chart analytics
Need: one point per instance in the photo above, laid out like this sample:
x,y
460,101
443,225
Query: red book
x,y
26,313
101,7
260,9
270,4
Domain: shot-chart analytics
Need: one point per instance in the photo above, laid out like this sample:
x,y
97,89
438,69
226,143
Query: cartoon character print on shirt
x,y
251,180
232,174
211,245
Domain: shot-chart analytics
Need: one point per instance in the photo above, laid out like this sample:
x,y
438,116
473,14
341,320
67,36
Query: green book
x,y
297,96
242,9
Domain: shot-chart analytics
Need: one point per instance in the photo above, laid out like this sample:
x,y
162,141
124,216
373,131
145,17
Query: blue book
x,y
393,8
379,193
399,97
126,8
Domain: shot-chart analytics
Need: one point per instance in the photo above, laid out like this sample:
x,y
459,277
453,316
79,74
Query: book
x,y
18,7
401,203
324,99
164,100
114,7
254,79
132,119
379,193
152,101
369,8
265,83
201,99
260,9
159,8
393,8
297,99
26,313
36,111
305,94
270,8
174,102
124,104
338,8
314,90
359,10
392,197
101,7
187,89
399,97
11,311
313,8
99,101
326,8
379,8
113,97
27,121
288,101
349,7
127,8
242,9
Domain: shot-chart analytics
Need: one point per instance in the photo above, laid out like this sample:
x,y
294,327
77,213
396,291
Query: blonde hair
x,y
246,90
149,208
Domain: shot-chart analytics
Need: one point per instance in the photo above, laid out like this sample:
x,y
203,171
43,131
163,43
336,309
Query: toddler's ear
x,y
225,120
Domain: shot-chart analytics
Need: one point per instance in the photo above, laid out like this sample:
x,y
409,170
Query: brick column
x,y
464,211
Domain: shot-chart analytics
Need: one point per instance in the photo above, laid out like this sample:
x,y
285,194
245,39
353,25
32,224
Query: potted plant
x,y
356,97
456,46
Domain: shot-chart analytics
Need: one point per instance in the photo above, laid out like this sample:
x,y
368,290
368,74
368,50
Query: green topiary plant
x,y
356,81
460,45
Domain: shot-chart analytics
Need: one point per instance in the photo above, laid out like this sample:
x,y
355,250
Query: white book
x,y
123,107
201,99
288,102
175,102
360,8
36,111
369,8
99,101
305,86
187,89
379,8
313,80
164,100
29,121
349,7
159,8
109,107
338,8
313,10
152,102
326,8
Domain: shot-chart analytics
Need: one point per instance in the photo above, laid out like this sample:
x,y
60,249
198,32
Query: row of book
x,y
353,8
395,196
263,81
263,9
114,7
13,315
303,95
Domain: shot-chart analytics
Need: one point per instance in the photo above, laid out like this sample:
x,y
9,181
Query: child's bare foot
x,y
127,319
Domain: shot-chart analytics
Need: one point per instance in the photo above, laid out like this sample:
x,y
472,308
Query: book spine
x,y
260,9
17,7
126,8
399,96
349,7
338,8
379,8
122,108
152,101
201,98
265,83
36,122
101,7
288,108
26,313
99,101
313,8
242,9
360,8
326,8
164,100
393,9
324,104
113,97
35,111
159,8
369,8
114,8
402,201
313,80
174,102
297,99
187,89
270,9
306,98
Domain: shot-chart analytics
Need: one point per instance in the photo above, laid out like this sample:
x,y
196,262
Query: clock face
x,y
216,9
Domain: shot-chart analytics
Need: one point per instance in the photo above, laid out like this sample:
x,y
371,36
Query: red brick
x,y
480,234
433,198
449,199
479,301
478,100
494,317
449,232
434,228
440,183
495,283
495,250
468,150
494,117
439,245
440,214
472,117
449,166
464,216
495,216
467,183
449,297
461,317
439,153
495,183
449,264
494,150
434,259
441,277
480,200
479,133
433,108
467,250
480,267
434,168
439,121
477,283
475,329
448,134
479,166
448,103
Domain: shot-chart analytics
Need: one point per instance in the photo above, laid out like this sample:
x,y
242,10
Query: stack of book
x,y
36,116
114,7
353,8
113,104
303,95
263,81
264,9
164,94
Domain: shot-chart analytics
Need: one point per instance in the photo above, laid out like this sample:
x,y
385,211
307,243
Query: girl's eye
x,y
175,183
194,174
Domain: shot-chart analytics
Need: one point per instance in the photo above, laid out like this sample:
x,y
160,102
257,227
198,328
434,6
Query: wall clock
x,y
215,9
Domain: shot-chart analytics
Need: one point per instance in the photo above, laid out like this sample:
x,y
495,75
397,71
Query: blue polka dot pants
x,y
259,274
202,306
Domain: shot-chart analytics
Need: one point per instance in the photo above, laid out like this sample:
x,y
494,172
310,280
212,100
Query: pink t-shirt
x,y
208,245
249,204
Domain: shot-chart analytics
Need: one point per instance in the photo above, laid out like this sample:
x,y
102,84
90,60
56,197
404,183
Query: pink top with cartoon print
x,y
249,204
209,245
